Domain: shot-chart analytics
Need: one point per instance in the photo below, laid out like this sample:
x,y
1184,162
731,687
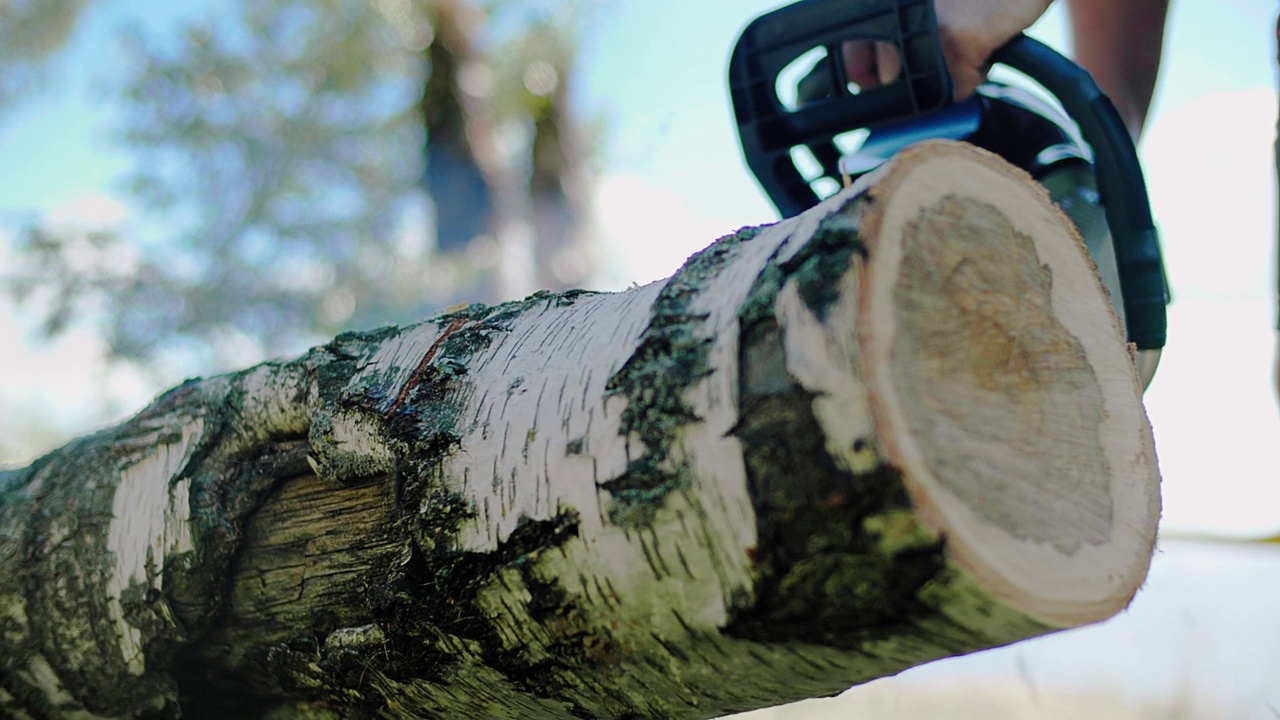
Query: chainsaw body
x,y
804,126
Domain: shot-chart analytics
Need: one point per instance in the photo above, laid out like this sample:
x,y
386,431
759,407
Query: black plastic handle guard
x,y
1120,183
772,41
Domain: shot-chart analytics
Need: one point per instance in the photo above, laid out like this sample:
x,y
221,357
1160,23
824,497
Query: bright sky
x,y
673,181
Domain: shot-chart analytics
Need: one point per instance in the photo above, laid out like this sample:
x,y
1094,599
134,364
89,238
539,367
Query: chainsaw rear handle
x,y
1120,182
774,40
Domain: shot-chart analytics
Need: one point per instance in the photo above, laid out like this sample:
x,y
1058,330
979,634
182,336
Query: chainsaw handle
x,y
771,42
1120,182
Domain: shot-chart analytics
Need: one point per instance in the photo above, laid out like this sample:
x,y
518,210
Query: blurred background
x,y
189,188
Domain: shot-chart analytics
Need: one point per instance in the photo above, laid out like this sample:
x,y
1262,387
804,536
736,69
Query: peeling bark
x,y
900,427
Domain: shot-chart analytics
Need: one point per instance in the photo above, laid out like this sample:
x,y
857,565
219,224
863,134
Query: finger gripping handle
x,y
773,41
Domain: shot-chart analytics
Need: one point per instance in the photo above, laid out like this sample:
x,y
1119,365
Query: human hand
x,y
969,30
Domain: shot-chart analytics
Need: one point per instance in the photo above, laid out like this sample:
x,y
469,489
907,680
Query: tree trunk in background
x,y
902,426
454,175
515,224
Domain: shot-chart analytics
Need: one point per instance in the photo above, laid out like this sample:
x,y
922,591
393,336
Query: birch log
x,y
902,426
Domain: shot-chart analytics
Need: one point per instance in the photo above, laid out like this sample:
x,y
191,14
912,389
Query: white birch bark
x,y
709,494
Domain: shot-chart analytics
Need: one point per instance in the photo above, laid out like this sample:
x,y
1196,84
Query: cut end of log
x,y
1015,417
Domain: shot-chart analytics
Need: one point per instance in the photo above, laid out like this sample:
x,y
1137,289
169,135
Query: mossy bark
x,y
637,505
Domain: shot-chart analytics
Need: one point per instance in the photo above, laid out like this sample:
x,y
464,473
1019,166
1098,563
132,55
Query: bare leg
x,y
1120,43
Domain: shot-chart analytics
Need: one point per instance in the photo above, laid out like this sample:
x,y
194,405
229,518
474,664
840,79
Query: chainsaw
x,y
805,129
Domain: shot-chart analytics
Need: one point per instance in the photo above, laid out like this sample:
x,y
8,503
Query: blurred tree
x,y
459,129
31,33
280,166
556,186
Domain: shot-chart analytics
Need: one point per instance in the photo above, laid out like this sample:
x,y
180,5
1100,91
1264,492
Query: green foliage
x,y
275,146
279,149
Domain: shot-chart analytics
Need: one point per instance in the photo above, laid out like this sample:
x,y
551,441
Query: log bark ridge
x,y
902,426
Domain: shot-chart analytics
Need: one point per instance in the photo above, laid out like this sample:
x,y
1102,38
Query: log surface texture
x,y
900,427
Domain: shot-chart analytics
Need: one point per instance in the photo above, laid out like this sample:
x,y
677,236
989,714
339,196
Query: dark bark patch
x,y
824,573
638,493
429,605
672,355
425,628
817,267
